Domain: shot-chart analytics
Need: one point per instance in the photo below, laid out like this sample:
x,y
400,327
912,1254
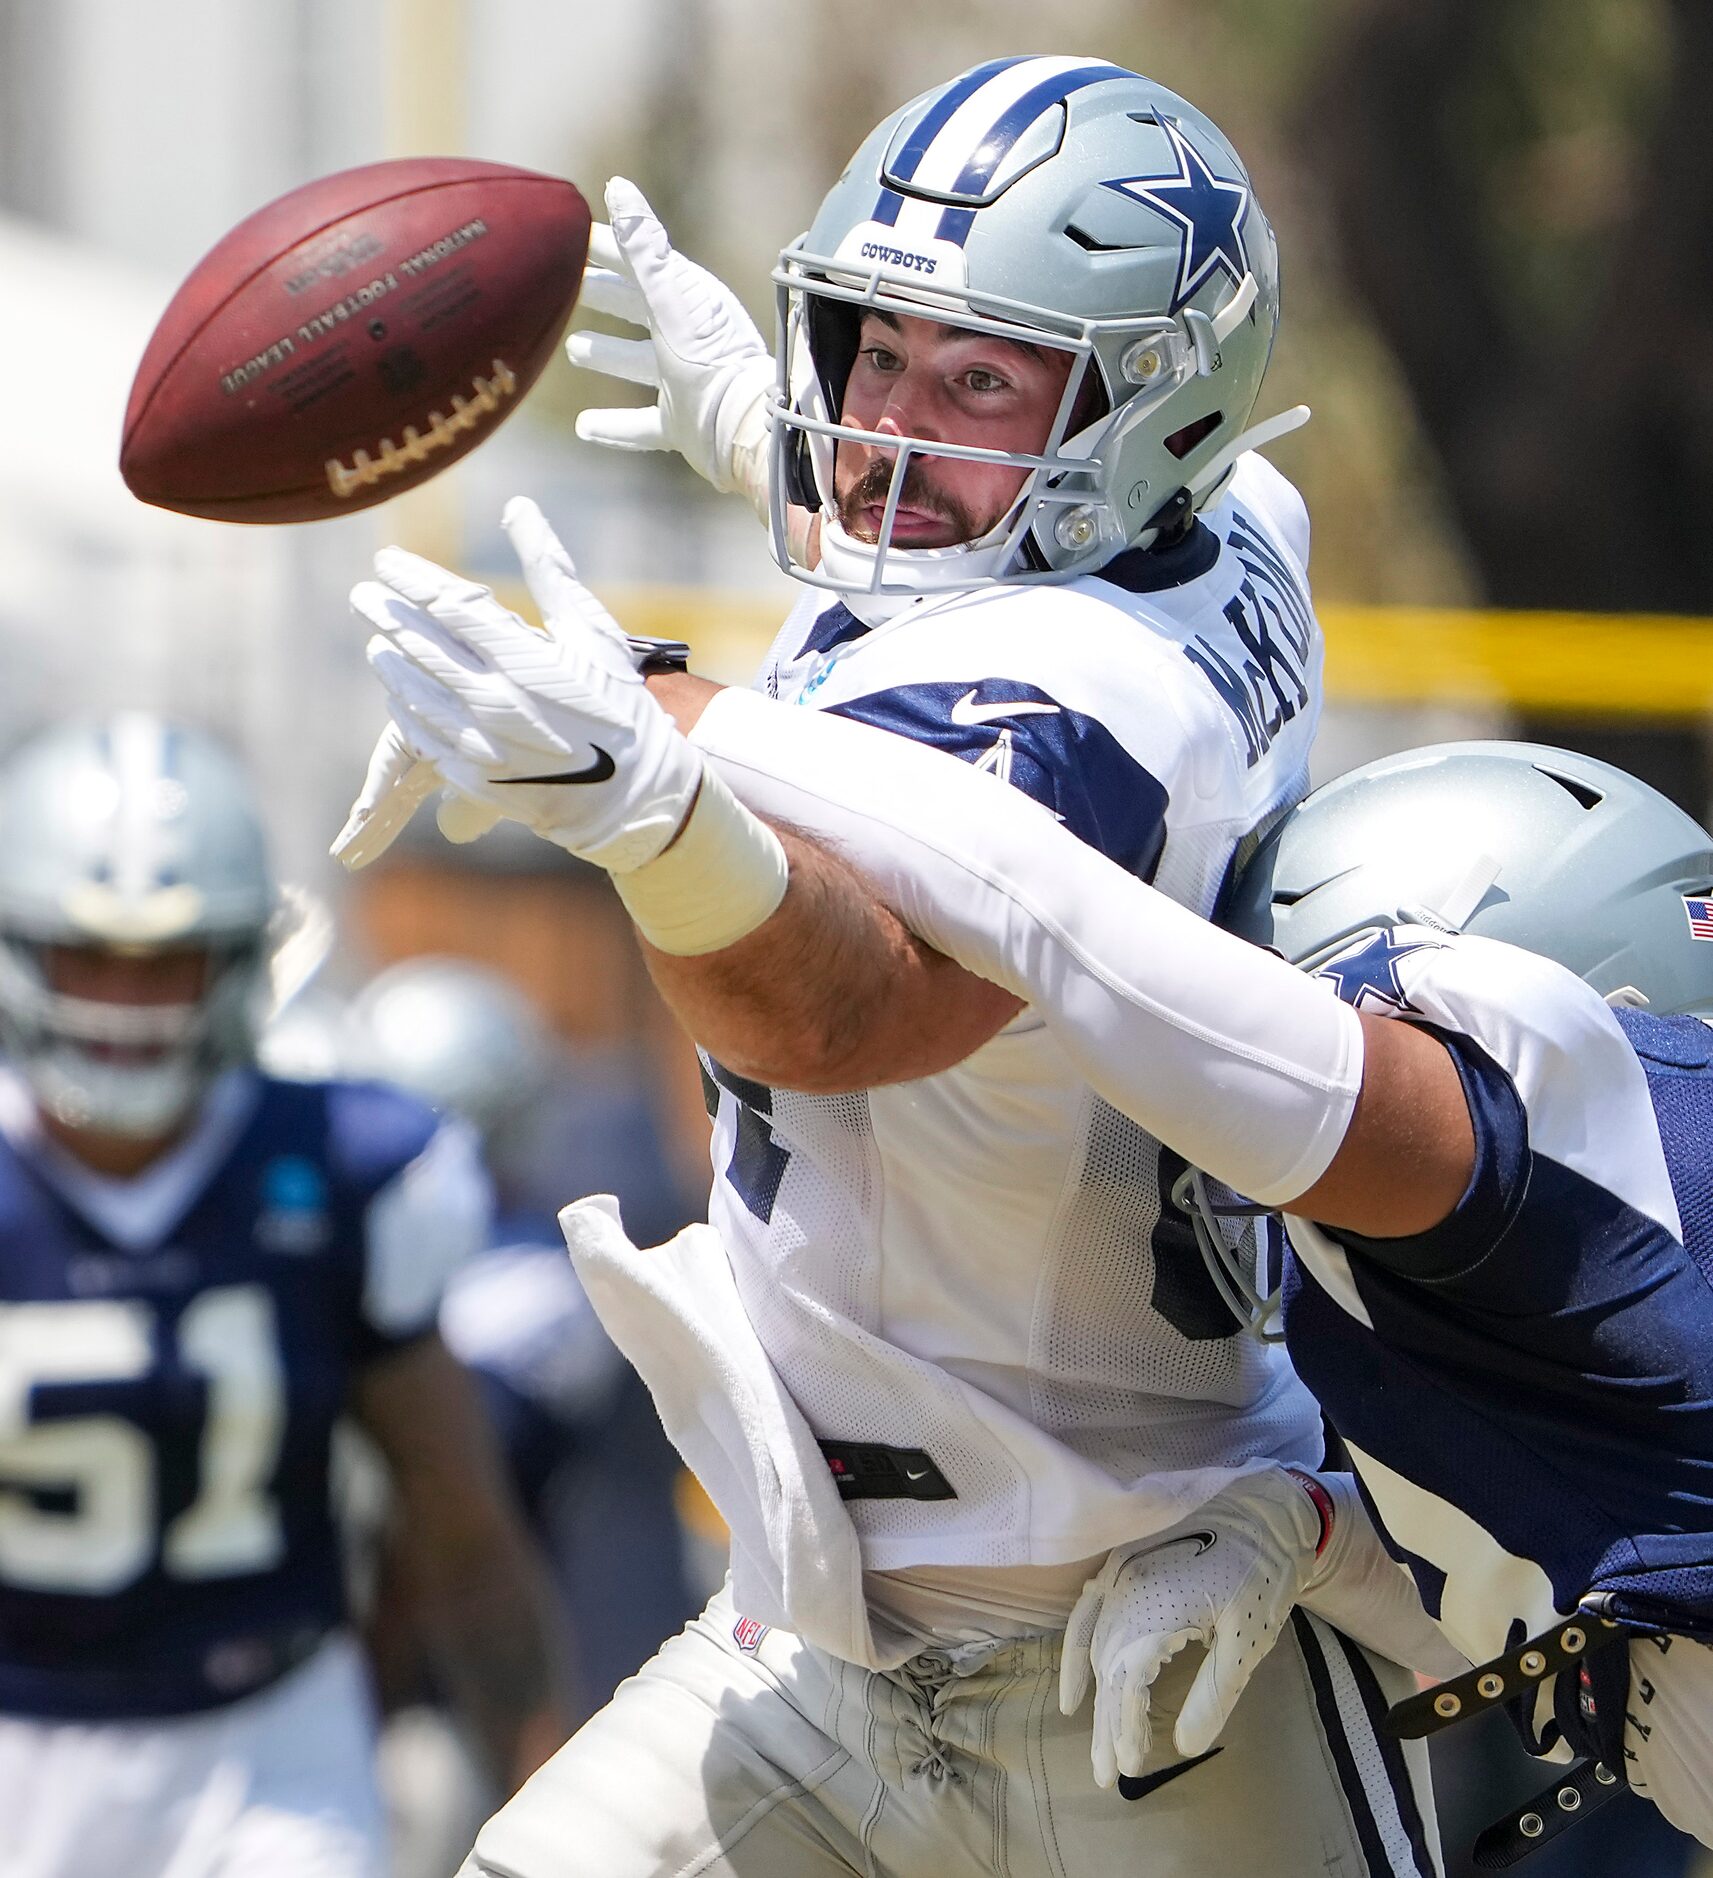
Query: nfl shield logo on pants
x,y
747,1634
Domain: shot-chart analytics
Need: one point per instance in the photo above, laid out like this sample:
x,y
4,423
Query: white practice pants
x,y
759,1757
278,1785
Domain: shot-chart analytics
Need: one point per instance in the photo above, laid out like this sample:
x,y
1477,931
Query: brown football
x,y
353,338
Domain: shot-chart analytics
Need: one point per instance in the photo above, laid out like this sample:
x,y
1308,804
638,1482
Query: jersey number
x,y
78,1494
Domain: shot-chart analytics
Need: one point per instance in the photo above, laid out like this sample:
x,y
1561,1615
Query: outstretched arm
x,y
1247,1068
833,992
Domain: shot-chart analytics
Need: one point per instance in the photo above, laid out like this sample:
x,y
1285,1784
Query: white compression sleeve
x,y
1231,1057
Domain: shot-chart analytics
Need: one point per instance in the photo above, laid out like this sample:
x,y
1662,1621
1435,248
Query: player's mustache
x,y
872,486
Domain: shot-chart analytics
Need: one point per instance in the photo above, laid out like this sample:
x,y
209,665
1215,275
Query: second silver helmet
x,y
1543,848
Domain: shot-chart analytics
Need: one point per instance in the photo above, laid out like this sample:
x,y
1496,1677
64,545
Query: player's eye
x,y
979,379
880,359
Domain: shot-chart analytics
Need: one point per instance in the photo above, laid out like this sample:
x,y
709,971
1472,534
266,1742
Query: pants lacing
x,y
927,1677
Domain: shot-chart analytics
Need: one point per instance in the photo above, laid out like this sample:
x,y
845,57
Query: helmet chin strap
x,y
1256,437
934,573
1190,496
134,1102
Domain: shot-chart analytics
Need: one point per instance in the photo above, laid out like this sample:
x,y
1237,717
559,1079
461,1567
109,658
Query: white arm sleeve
x,y
1229,1056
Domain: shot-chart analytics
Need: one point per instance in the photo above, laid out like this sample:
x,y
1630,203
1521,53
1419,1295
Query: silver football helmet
x,y
1072,205
133,835
459,1035
1542,848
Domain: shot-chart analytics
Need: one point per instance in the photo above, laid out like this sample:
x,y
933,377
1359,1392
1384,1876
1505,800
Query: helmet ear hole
x,y
1182,442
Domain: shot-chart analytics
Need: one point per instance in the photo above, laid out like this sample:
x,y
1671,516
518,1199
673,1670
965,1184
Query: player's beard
x,y
871,488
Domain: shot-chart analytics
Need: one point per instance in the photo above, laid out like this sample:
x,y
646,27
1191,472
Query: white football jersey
x,y
1008,1349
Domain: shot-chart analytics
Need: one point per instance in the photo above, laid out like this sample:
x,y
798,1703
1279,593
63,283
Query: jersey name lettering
x,y
1274,625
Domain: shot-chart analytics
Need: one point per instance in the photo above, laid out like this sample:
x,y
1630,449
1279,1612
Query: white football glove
x,y
555,730
703,354
1228,1578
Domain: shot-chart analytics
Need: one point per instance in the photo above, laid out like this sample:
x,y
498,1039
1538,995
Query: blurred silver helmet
x,y
1542,848
459,1035
1073,205
129,834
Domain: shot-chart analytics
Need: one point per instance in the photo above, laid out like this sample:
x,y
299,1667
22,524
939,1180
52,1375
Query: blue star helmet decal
x,y
1208,209
1368,973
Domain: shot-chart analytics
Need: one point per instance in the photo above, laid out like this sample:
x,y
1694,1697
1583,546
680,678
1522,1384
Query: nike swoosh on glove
x,y
1226,1578
555,730
711,368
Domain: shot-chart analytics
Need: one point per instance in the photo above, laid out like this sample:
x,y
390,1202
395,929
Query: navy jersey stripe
x,y
837,625
1058,757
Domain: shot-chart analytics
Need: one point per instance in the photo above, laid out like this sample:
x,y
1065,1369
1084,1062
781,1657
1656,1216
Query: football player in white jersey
x,y
945,1344
1502,1281
201,1269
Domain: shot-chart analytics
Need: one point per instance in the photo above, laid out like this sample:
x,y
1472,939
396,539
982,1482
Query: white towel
x,y
675,1312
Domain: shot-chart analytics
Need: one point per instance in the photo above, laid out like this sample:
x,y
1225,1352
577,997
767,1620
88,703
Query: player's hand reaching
x,y
711,368
1228,1578
555,729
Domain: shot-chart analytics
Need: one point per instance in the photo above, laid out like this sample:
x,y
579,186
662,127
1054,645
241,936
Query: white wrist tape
x,y
1244,1066
720,879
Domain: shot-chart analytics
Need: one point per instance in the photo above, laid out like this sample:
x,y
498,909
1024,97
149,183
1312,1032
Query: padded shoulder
x,y
1576,1072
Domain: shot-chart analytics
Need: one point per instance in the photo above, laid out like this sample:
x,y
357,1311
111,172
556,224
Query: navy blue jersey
x,y
1527,1390
168,1392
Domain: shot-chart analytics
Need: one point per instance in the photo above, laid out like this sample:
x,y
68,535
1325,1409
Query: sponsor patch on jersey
x,y
747,1634
293,1215
1700,915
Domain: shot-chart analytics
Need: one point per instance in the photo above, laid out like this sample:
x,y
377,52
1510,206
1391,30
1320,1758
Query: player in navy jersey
x,y
946,1340
201,1271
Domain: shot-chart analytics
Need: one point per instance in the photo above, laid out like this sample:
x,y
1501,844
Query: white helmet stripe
x,y
984,110
977,136
139,749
